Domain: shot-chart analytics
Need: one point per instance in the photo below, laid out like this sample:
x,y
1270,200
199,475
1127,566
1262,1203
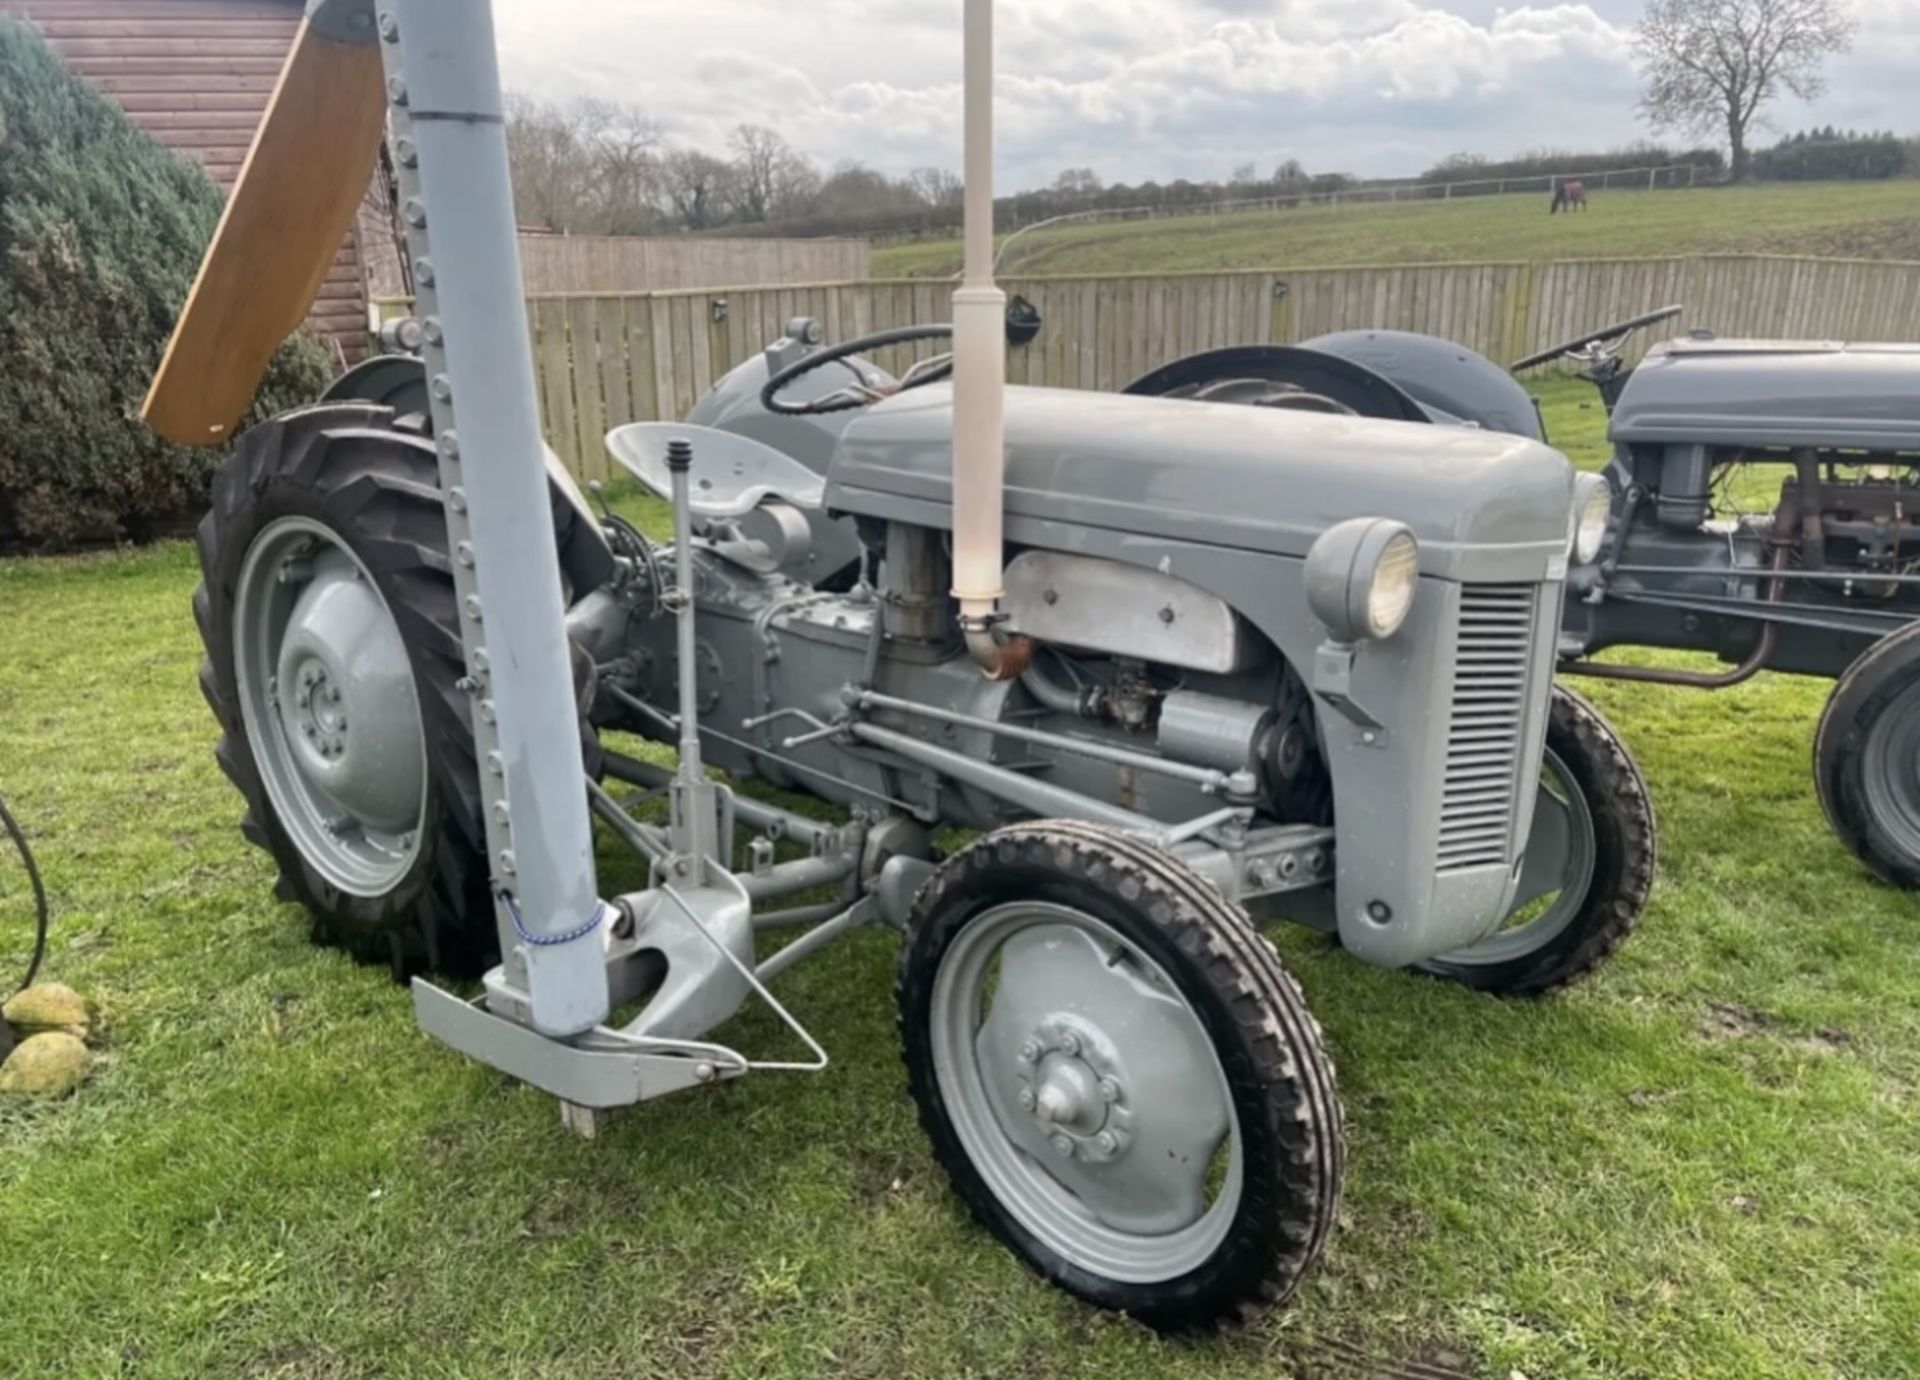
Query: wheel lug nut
x,y
1026,1099
1029,1052
1109,1090
1070,1043
1064,1146
1107,1142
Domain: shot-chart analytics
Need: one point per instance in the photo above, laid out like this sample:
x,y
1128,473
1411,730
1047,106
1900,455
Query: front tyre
x,y
1866,758
1118,1076
1589,867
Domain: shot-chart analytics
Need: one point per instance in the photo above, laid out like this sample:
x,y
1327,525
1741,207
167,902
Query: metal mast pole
x,y
448,120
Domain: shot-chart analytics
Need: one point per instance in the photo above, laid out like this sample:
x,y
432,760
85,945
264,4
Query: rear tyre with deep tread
x,y
371,482
1287,1154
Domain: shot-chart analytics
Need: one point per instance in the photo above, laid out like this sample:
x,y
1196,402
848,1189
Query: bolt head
x,y
1108,1142
1109,1090
1026,1099
1064,1146
1070,1044
1029,1052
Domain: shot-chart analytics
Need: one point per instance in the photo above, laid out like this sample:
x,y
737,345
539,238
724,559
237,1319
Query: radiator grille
x,y
1493,653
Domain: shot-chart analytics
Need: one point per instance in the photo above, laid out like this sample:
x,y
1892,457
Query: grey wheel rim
x,y
1085,1092
1890,772
327,697
1561,849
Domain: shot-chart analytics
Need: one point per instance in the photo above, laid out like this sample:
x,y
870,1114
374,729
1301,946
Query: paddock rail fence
x,y
606,359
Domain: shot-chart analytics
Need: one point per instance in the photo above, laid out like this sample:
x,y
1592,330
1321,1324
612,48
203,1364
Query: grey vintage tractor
x,y
1815,571
1183,667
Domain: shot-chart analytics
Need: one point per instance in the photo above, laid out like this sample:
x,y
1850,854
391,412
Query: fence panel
x,y
631,263
603,359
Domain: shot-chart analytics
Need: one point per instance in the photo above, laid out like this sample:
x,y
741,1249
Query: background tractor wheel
x,y
1118,1076
333,663
1866,758
1590,864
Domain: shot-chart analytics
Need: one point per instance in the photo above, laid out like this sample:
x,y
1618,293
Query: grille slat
x,y
1492,670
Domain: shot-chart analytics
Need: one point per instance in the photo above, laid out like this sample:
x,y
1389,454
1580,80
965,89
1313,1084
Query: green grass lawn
x,y
1700,1164
1842,220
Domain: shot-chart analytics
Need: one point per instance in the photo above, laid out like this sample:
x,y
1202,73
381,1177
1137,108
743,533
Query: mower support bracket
x,y
605,1070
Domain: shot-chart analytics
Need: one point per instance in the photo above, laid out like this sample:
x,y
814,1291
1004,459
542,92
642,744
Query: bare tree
x,y
548,150
1711,65
1077,181
587,167
1245,175
771,180
698,186
939,188
626,169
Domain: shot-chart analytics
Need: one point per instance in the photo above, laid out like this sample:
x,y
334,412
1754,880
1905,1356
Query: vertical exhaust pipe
x,y
979,380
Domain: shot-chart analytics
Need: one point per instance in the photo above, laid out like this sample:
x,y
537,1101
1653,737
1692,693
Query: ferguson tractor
x,y
1765,509
1184,668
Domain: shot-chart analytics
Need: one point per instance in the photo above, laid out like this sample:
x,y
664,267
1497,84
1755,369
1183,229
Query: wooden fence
x,y
610,263
604,360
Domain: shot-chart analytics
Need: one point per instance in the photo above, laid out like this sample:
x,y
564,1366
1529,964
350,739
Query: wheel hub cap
x,y
332,717
1086,1091
1070,1080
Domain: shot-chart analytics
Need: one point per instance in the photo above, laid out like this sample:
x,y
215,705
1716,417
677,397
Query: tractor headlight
x,y
1361,577
1592,506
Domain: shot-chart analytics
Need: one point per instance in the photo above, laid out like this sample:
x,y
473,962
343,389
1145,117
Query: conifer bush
x,y
101,231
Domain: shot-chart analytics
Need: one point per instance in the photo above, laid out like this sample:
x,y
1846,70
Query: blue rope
x,y
600,910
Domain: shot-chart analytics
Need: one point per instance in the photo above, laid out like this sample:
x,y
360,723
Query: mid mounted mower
x,y
1184,667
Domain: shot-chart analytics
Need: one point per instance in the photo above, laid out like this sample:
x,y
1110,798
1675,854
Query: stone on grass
x,y
47,1006
51,1064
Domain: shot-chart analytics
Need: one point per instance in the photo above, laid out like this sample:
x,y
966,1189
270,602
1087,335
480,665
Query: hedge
x,y
101,231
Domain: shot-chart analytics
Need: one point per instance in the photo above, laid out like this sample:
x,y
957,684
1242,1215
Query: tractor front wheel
x,y
1118,1076
1866,758
1589,867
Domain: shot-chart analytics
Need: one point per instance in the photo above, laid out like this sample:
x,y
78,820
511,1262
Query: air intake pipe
x,y
979,382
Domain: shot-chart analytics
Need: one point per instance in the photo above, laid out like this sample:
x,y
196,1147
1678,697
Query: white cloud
x,y
1138,88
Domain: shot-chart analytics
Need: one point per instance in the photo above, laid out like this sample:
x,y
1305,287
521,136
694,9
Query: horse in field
x,y
1571,195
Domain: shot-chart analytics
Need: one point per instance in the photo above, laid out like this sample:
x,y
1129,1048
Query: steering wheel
x,y
1611,335
857,394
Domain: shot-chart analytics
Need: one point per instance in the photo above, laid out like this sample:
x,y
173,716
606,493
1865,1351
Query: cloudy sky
x,y
1150,88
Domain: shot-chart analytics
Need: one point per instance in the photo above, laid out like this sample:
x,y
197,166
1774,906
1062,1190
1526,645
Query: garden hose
x,y
40,916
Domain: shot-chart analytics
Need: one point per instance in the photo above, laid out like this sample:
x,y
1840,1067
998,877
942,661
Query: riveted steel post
x,y
448,126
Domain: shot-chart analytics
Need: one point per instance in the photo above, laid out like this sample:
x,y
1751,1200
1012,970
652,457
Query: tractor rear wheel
x,y
1118,1076
1866,758
334,665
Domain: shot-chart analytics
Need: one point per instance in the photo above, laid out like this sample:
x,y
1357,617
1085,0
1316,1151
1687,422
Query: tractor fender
x,y
1327,374
399,382
1452,383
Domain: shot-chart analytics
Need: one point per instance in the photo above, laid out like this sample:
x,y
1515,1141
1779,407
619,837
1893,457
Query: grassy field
x,y
1842,220
1699,1164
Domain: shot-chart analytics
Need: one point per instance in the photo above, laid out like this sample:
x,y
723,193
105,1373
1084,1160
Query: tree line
x,y
598,167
